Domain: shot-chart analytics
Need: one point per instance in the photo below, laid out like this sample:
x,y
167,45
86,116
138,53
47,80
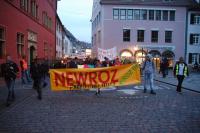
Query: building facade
x,y
59,38
138,27
27,27
193,37
67,44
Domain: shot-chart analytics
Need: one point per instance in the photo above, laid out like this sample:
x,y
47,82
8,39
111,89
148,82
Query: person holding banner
x,y
106,63
148,68
97,65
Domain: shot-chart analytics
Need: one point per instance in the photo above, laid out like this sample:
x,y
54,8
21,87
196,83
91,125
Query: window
x,y
130,14
115,13
158,15
168,36
24,4
140,35
45,50
172,15
34,9
165,16
151,14
154,36
122,14
2,42
99,17
126,35
193,58
136,14
195,18
143,14
194,39
99,36
20,44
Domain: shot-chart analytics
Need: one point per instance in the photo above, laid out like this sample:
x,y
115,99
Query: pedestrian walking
x,y
10,71
164,67
24,71
148,68
180,72
36,75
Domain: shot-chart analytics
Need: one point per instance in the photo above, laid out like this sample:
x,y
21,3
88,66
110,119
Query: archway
x,y
140,56
156,57
126,53
170,56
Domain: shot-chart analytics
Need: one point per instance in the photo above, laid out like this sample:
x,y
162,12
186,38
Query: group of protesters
x,y
39,71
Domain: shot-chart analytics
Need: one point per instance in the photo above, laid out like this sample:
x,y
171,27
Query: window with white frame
x,y
143,14
158,14
2,42
116,14
137,14
172,15
195,18
151,14
122,14
194,39
193,58
165,16
130,14
20,44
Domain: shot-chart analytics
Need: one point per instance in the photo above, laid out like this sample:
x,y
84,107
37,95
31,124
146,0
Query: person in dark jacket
x,y
36,75
106,62
73,63
10,71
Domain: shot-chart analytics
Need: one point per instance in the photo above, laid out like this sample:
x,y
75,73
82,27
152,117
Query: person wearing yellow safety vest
x,y
180,72
24,71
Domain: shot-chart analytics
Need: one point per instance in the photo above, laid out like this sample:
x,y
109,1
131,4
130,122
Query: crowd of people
x,y
39,71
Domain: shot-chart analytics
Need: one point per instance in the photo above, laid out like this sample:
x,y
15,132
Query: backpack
x,y
10,70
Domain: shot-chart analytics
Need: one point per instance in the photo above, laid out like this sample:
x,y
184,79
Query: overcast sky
x,y
75,16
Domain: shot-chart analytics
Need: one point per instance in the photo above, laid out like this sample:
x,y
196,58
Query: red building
x,y
27,27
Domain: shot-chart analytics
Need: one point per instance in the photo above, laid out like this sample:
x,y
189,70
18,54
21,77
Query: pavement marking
x,y
128,91
134,97
141,87
104,89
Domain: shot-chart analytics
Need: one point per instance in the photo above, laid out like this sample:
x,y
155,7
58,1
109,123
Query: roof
x,y
150,2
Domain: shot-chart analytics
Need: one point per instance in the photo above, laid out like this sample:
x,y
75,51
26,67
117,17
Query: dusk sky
x,y
75,16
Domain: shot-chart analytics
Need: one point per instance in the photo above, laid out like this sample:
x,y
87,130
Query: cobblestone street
x,y
113,111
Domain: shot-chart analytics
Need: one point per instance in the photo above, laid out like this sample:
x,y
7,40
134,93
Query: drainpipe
x,y
186,36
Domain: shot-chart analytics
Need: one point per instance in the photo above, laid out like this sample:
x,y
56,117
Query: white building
x,y
193,36
67,45
59,32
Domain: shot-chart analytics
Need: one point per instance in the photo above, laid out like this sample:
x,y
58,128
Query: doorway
x,y
32,54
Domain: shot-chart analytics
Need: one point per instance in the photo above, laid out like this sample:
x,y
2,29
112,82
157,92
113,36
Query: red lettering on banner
x,y
59,79
81,77
92,77
113,80
100,77
69,79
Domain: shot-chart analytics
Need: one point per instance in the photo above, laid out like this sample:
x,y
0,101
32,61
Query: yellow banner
x,y
86,78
